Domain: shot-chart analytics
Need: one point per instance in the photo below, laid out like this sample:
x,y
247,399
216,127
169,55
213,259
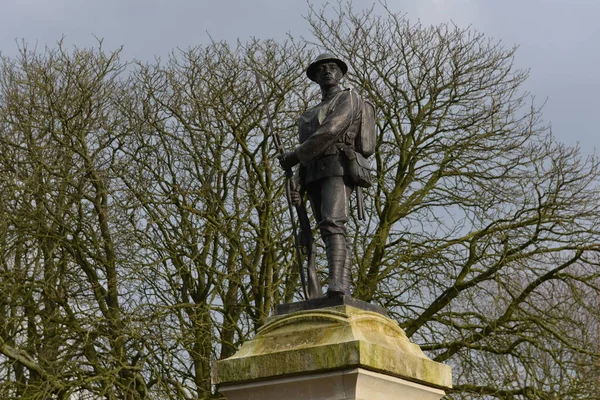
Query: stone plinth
x,y
339,352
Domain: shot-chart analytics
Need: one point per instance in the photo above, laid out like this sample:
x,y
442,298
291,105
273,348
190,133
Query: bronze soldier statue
x,y
327,150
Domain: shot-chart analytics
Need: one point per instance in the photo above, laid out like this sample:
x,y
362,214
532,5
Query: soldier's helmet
x,y
311,71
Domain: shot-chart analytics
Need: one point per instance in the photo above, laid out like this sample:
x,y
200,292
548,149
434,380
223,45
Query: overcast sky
x,y
558,39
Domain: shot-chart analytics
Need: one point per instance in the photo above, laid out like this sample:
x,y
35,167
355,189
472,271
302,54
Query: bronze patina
x,y
326,156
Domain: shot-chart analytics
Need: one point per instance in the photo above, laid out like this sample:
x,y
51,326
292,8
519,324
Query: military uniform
x,y
327,132
327,135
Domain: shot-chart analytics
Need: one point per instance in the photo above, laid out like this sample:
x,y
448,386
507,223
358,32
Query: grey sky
x,y
557,38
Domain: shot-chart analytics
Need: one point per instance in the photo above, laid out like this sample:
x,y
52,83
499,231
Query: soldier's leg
x,y
333,217
348,261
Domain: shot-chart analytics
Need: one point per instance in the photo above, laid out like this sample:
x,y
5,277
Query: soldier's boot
x,y
347,268
339,280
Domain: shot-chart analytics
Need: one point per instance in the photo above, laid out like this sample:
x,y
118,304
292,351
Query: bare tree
x,y
64,261
143,230
208,201
479,217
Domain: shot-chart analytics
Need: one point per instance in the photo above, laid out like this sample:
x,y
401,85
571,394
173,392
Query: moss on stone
x,y
329,339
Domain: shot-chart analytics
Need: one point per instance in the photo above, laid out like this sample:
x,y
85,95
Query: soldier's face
x,y
328,74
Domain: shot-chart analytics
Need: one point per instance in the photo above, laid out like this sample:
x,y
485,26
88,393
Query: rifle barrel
x,y
288,185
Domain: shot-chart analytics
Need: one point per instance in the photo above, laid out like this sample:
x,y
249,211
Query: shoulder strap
x,y
333,103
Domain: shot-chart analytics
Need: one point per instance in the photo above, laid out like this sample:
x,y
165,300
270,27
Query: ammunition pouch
x,y
358,168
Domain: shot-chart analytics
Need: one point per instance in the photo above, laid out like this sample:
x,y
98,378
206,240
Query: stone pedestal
x,y
335,353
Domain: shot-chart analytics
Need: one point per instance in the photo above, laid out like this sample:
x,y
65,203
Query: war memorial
x,y
330,346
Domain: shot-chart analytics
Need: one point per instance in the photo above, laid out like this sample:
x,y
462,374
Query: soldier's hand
x,y
295,197
288,160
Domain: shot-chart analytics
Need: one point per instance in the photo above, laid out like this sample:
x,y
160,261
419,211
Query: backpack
x,y
366,140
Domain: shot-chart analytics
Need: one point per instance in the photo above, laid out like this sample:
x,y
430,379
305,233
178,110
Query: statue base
x,y
327,302
338,352
347,384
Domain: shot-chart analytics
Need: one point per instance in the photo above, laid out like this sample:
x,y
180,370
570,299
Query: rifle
x,y
360,203
304,240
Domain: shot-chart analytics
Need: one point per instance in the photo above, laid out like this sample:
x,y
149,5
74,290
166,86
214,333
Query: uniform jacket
x,y
325,132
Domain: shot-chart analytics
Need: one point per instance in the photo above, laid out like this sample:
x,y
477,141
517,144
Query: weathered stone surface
x,y
348,384
328,339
